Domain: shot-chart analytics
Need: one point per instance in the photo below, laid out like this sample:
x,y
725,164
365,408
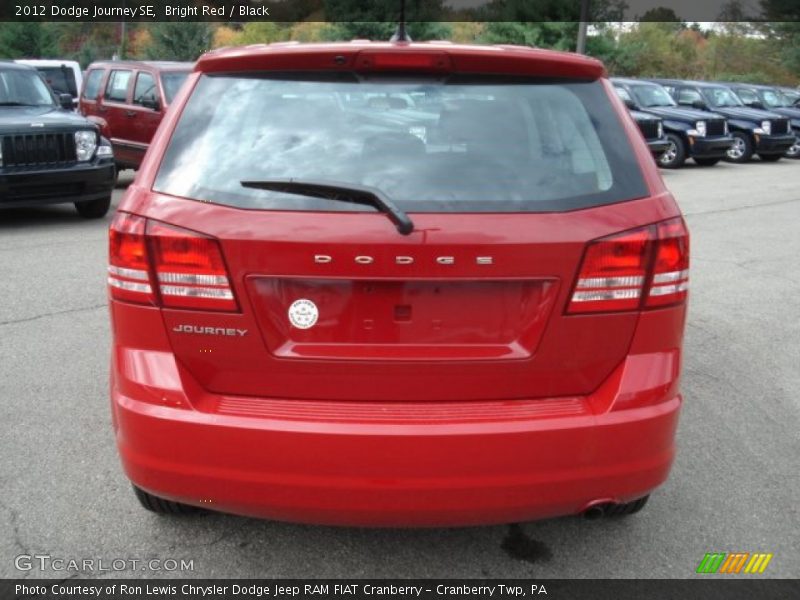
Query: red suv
x,y
397,284
128,99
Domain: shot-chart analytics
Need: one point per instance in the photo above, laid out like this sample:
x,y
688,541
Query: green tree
x,y
26,40
179,41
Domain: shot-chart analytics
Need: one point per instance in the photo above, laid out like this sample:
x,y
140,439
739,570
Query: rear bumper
x,y
707,147
393,464
42,185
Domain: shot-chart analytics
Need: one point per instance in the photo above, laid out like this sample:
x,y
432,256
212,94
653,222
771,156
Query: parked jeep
x,y
48,153
653,131
698,134
772,99
128,99
754,131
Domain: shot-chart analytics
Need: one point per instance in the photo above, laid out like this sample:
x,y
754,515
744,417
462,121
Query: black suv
x,y
774,100
49,154
653,131
754,130
690,132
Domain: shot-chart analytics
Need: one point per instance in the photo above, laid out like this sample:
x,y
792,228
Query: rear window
x,y
438,145
60,79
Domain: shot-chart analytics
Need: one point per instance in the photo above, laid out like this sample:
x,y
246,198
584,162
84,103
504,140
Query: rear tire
x,y
770,157
675,154
94,209
629,508
164,507
742,149
707,162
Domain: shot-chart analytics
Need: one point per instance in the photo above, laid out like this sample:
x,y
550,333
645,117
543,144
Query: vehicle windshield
x,y
789,98
23,87
771,99
720,97
651,96
172,82
431,145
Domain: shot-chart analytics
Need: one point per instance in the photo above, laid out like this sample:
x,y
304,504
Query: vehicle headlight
x,y
85,144
766,126
700,126
660,129
725,129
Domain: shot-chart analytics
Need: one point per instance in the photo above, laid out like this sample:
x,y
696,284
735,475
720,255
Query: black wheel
x,y
707,162
162,506
94,209
629,508
675,154
742,149
770,157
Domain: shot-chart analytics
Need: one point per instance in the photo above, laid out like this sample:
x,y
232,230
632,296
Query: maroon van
x,y
128,99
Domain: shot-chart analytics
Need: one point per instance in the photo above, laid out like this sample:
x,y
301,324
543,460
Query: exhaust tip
x,y
594,512
597,509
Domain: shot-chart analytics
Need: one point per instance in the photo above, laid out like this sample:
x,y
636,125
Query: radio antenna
x,y
400,34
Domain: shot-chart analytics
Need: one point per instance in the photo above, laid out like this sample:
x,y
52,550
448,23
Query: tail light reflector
x,y
671,266
128,271
186,268
645,267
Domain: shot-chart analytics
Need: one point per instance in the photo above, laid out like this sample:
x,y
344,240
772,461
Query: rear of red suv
x,y
397,284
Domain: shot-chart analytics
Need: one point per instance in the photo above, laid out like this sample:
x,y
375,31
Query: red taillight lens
x,y
187,267
370,60
128,272
612,273
671,266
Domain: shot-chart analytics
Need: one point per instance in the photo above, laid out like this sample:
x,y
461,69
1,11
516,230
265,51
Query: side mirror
x,y
629,103
755,104
65,101
699,104
151,102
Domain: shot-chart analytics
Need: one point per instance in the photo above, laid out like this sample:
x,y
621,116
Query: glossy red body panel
x,y
510,410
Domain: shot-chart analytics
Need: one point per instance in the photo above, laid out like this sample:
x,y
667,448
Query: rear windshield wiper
x,y
329,190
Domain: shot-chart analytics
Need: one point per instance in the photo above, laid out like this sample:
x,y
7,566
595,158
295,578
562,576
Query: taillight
x,y
671,266
186,267
615,271
128,269
612,273
189,269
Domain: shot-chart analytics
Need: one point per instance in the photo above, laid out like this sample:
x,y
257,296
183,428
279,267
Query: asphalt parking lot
x,y
734,486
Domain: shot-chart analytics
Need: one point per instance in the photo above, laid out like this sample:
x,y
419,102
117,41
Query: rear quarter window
x,y
432,145
91,89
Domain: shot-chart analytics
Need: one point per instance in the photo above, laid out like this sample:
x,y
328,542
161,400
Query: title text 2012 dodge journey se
x,y
397,284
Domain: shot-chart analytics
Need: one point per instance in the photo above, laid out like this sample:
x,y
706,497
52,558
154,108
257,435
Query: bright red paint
x,y
521,411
